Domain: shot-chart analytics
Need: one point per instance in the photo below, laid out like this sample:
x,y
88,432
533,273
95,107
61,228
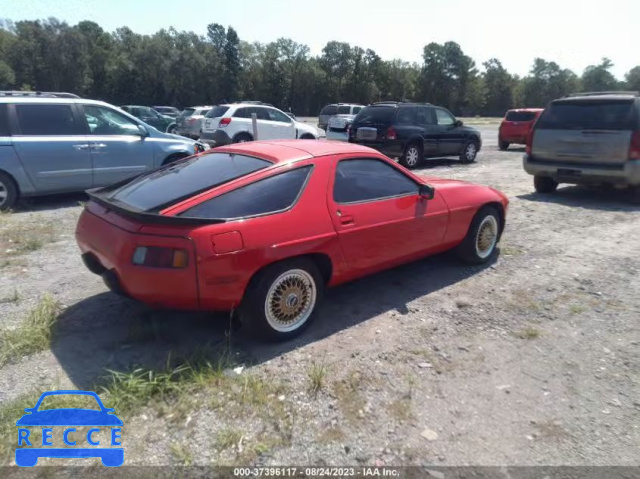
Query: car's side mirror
x,y
427,192
458,123
143,131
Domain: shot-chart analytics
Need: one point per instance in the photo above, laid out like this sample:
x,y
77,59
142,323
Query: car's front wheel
x,y
469,152
482,238
282,299
412,156
8,192
544,184
503,145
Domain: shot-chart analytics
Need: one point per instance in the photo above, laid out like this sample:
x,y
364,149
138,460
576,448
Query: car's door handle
x,y
346,220
81,147
98,145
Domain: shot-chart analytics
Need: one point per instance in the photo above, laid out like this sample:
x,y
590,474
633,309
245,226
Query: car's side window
x,y
4,120
104,121
278,116
406,116
423,116
271,195
356,110
242,113
369,179
47,120
261,113
444,117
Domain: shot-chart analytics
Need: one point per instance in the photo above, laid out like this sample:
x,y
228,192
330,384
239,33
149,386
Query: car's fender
x,y
303,128
11,164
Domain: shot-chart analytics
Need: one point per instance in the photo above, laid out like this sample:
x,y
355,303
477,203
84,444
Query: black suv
x,y
414,131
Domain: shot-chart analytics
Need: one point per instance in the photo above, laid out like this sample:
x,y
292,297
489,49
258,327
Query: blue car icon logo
x,y
70,418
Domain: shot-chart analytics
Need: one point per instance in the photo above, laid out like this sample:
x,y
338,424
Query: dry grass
x,y
317,373
330,435
16,239
33,335
348,391
400,409
181,454
528,333
11,298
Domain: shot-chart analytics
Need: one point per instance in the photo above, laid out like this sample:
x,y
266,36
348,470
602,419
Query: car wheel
x,y
172,129
480,243
412,156
307,136
469,152
503,145
8,192
544,184
282,300
242,138
634,195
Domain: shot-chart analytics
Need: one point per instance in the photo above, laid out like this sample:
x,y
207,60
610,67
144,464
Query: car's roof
x,y
44,100
526,110
604,96
284,151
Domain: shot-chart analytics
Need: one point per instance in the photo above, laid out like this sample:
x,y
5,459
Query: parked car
x,y
232,123
414,131
338,127
149,116
170,111
51,144
588,138
516,125
336,109
265,227
189,123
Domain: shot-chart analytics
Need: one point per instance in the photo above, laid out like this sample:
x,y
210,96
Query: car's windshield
x,y
66,401
170,184
589,115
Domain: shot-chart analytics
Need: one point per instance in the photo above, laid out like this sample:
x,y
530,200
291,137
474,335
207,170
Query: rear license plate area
x,y
567,172
367,133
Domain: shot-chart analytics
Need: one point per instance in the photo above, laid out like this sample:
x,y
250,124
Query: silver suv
x,y
189,122
588,138
58,142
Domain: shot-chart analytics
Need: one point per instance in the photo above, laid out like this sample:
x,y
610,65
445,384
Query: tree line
x,y
182,68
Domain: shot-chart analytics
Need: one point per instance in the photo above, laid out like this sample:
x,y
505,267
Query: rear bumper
x,y
627,173
215,138
337,135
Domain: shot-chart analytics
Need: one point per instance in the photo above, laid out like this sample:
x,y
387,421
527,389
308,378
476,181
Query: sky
x,y
573,33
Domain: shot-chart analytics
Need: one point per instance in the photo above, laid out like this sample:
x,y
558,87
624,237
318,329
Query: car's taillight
x,y
191,120
391,133
224,122
634,147
160,257
530,136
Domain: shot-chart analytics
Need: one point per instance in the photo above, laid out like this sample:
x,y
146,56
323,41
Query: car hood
x,y
69,417
303,127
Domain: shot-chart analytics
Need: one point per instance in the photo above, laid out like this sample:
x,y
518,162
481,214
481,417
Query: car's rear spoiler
x,y
98,195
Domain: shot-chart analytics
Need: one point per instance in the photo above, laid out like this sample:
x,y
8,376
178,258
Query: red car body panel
x,y
517,131
357,239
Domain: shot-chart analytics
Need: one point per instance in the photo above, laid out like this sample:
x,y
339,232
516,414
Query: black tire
x,y
172,129
503,145
544,184
413,156
471,249
252,311
307,136
634,195
469,152
242,138
9,193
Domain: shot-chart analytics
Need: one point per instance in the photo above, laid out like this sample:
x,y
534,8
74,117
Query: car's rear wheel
x,y
469,152
307,136
412,156
544,184
282,300
503,145
482,238
172,129
242,138
8,192
634,195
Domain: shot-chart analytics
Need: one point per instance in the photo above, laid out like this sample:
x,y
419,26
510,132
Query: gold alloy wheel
x,y
487,236
290,300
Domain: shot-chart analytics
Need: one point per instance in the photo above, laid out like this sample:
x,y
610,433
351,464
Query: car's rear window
x,y
520,116
344,110
589,115
329,110
173,183
187,112
376,114
217,111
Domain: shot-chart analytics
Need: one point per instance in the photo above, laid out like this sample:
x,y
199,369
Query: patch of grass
x,y
12,298
33,335
400,409
19,239
227,438
348,393
578,308
10,412
332,434
316,374
523,300
508,250
528,333
181,454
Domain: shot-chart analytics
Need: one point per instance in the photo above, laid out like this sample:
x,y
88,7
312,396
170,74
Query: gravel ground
x,y
532,360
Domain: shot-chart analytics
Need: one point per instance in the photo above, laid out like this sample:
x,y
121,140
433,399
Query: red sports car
x,y
516,125
265,227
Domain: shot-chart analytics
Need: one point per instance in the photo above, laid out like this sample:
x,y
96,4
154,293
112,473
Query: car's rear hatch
x,y
517,124
186,113
586,131
372,123
212,119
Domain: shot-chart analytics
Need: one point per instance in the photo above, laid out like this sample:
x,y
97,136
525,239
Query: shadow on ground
x,y
609,199
51,202
108,332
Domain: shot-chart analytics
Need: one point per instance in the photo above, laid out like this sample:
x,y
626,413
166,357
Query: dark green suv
x,y
149,116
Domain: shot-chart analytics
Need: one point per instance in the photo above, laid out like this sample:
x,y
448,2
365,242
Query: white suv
x,y
231,123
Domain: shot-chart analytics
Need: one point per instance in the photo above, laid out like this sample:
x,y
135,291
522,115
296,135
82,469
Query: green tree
x,y
632,79
599,78
498,88
232,66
